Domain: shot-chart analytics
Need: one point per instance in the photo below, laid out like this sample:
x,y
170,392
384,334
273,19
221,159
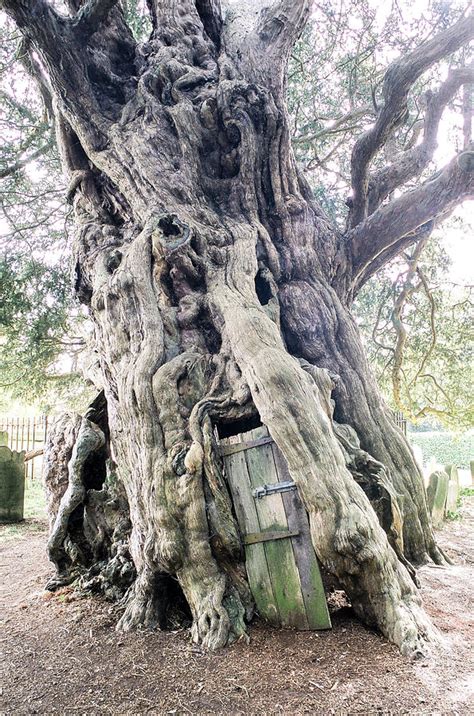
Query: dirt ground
x,y
62,655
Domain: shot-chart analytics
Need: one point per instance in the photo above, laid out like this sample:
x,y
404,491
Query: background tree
x,y
38,321
220,291
418,340
420,343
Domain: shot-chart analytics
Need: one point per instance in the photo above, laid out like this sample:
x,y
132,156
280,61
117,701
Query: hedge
x,y
445,448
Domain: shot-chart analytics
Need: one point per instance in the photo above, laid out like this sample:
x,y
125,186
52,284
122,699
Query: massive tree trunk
x,y
220,294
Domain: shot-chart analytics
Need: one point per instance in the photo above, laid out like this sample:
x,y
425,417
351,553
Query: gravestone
x,y
418,455
437,493
12,484
453,488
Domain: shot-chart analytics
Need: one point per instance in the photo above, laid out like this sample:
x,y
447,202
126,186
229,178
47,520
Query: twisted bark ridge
x,y
220,295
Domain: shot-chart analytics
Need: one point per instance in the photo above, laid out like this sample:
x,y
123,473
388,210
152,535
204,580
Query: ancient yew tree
x,y
221,294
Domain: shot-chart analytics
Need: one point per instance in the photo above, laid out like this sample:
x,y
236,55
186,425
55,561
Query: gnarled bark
x,y
220,294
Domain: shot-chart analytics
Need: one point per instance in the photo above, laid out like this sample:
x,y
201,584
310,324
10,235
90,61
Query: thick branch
x,y
282,23
413,237
210,13
399,78
414,161
261,34
387,228
91,15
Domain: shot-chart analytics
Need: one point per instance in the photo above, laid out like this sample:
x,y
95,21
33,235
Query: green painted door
x,y
281,564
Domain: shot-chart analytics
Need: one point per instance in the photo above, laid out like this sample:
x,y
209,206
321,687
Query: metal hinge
x,y
264,490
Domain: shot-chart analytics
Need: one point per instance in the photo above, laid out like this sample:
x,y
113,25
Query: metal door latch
x,y
264,490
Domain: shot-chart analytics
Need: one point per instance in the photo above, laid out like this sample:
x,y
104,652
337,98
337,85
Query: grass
x,y
457,514
35,502
34,512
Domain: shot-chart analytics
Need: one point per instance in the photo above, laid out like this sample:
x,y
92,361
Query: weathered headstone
x,y
418,455
437,493
12,485
453,488
3,437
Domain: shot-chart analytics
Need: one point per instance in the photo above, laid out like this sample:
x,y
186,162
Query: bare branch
x,y
388,230
467,113
414,161
344,123
408,289
399,78
434,336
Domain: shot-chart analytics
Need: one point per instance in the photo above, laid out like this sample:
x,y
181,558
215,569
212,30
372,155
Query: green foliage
x,y
446,448
137,18
334,90
438,356
39,341
36,317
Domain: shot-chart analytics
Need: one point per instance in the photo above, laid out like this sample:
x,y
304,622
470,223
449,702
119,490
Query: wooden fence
x,y
27,434
400,421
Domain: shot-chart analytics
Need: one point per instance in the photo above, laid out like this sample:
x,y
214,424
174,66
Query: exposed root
x,y
211,623
143,606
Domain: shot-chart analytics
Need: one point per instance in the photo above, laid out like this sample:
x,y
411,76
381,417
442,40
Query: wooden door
x,y
281,564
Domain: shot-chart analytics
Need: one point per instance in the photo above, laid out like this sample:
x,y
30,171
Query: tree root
x,y
143,607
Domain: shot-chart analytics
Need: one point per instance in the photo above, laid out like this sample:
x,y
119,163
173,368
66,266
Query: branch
x,y
408,289
434,335
467,113
282,23
413,237
32,454
339,125
35,18
413,162
20,163
211,17
261,34
89,17
387,230
398,80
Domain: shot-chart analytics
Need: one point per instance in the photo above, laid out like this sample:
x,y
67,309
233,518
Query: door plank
x,y
310,577
255,557
272,517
